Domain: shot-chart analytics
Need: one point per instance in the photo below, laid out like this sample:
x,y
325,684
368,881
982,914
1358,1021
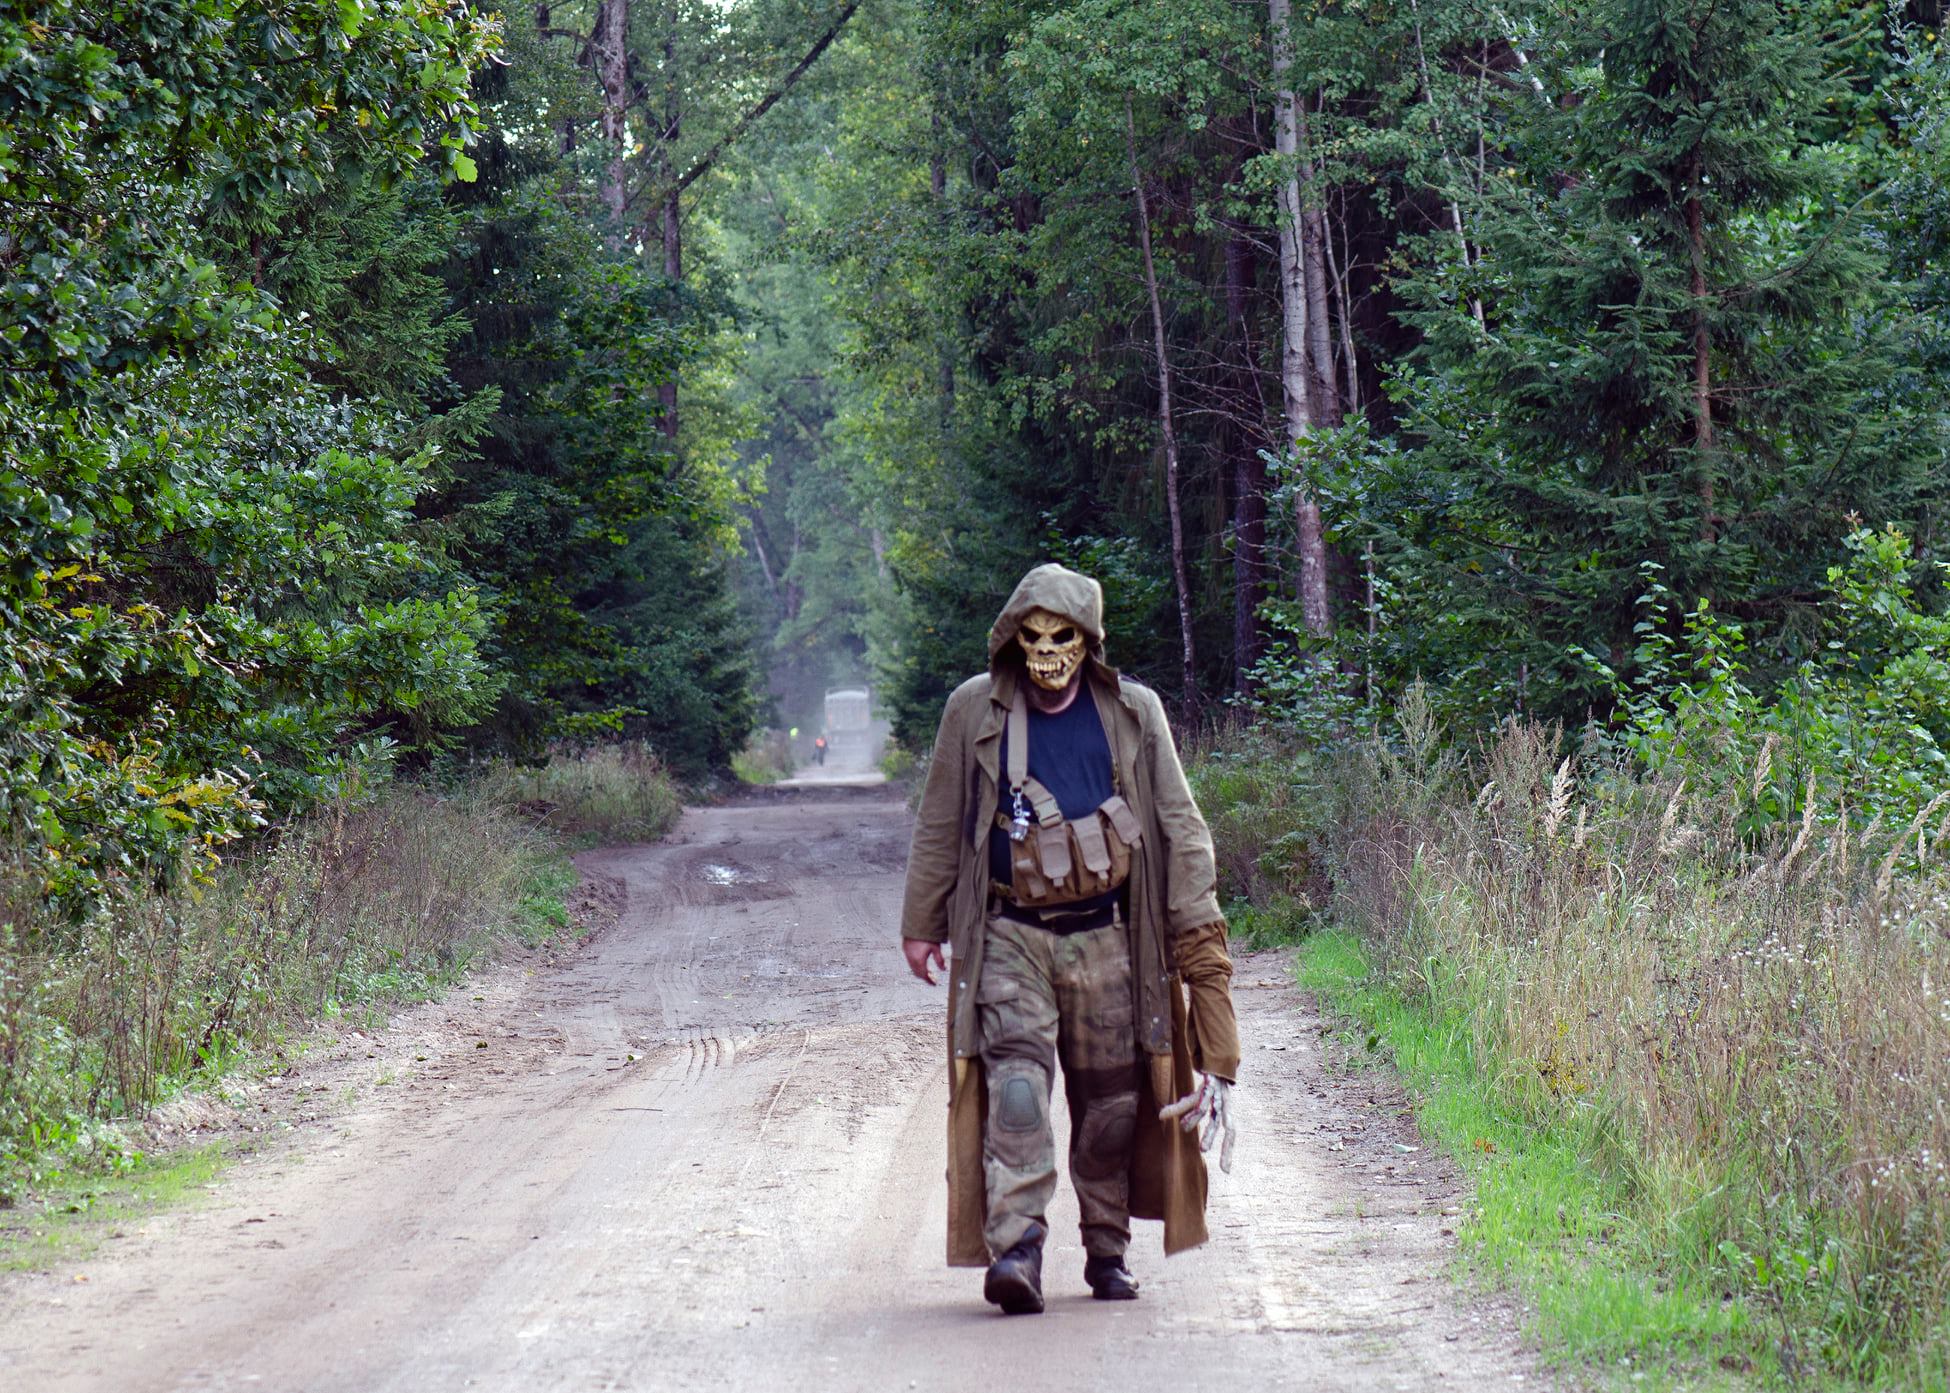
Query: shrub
x,y
766,758
1860,733
1750,1032
382,901
612,793
1256,787
901,764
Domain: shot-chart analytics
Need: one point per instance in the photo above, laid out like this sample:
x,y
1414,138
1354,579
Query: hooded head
x,y
1054,591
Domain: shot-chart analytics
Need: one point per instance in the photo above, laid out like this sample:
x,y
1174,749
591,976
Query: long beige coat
x,y
1177,932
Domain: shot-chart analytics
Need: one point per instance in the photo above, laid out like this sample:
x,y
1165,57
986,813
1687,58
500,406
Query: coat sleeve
x,y
1191,874
934,854
1210,1023
1194,927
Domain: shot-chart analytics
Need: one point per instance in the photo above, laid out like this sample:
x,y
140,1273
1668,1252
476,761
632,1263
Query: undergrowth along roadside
x,y
75,1211
766,758
1542,1221
360,907
1708,1062
608,794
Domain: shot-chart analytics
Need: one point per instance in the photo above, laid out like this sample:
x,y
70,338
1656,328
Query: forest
x,y
1511,436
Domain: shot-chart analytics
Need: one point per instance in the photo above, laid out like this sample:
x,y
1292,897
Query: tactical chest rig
x,y
1053,861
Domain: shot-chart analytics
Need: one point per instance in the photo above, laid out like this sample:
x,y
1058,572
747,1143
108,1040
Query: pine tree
x,y
1688,320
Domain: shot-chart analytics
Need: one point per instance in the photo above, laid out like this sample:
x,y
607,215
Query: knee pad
x,y
1103,1147
1018,1104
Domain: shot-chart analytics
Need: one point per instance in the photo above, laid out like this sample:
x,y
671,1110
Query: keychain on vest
x,y
1019,825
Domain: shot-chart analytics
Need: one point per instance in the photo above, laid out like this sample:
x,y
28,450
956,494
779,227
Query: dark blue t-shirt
x,y
1069,754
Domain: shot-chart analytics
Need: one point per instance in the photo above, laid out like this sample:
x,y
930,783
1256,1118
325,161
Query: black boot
x,y
1110,1279
1015,1280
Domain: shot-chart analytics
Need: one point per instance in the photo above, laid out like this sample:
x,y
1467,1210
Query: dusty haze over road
x,y
705,1151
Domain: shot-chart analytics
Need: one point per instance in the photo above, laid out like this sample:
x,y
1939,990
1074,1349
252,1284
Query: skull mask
x,y
1053,647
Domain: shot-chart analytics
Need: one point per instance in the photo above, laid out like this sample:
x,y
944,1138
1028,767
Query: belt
x,y
1057,921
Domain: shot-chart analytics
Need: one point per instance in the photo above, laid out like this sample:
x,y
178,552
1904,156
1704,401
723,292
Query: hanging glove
x,y
1210,1103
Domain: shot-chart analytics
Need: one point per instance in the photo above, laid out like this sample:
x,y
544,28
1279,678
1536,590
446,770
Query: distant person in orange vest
x,y
819,749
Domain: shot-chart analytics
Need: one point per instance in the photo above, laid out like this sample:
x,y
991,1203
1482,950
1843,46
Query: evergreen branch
x,y
1802,262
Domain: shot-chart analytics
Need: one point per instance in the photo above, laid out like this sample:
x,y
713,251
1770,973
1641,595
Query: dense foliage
x,y
209,601
330,425
1643,282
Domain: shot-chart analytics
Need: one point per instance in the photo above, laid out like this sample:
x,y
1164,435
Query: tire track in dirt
x,y
705,1151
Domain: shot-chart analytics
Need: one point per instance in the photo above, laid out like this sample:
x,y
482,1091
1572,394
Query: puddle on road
x,y
716,873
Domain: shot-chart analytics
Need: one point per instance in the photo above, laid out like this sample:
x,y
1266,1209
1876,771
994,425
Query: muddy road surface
x,y
705,1151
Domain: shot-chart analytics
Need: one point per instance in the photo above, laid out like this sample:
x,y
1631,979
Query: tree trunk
x,y
1374,626
1165,426
1435,128
1320,329
673,211
1338,271
674,273
611,47
1702,357
938,187
765,557
1248,471
1311,543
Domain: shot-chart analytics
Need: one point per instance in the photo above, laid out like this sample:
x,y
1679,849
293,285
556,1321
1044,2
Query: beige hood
x,y
1059,590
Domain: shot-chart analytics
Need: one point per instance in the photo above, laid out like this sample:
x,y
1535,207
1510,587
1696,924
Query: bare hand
x,y
920,954
1211,1103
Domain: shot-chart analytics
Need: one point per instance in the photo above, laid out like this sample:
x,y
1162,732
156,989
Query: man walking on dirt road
x,y
1059,854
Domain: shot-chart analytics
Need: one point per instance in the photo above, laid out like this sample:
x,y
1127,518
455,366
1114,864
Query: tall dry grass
x,y
612,793
1753,1031
370,903
384,900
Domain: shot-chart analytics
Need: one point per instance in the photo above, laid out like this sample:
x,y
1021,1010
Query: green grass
x,y
766,758
69,1220
543,912
751,769
1546,1221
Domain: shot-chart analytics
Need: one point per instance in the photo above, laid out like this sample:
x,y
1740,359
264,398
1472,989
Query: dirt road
x,y
705,1151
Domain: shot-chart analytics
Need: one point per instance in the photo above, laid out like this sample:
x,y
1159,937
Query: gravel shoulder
x,y
704,1150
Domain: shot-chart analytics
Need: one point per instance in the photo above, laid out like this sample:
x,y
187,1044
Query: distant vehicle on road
x,y
849,710
850,732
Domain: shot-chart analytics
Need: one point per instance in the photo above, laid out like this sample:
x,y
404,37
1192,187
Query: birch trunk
x,y
1165,424
1295,374
1313,253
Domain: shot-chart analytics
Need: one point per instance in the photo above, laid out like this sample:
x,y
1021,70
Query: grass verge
x,y
603,796
766,758
1699,1062
1545,1222
70,1218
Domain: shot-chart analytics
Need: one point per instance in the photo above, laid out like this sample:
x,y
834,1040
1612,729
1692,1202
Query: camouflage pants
x,y
1044,997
